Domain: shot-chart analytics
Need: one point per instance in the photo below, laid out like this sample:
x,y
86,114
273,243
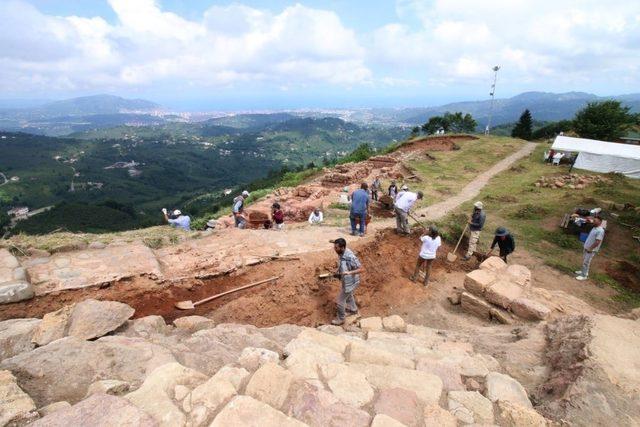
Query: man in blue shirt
x,y
178,220
359,208
349,269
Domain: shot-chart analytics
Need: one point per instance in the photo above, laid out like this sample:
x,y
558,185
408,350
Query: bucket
x,y
583,237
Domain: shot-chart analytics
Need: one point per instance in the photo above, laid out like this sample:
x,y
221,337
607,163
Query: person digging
x,y
476,223
430,244
505,242
349,269
402,207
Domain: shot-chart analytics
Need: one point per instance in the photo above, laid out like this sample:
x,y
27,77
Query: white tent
x,y
601,156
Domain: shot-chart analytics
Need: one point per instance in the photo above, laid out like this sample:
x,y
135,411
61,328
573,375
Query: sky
x,y
254,54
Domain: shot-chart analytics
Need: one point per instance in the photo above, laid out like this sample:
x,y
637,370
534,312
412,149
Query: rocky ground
x,y
89,364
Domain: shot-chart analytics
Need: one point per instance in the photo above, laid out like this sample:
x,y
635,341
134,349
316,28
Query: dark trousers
x,y
363,221
374,194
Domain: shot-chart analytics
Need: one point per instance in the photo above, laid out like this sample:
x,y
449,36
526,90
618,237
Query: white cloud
x,y
436,42
146,45
537,41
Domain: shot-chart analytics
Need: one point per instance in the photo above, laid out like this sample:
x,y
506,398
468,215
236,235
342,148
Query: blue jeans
x,y
363,220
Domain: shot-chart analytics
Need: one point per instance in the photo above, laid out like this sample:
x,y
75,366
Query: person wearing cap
x,y
393,190
403,190
316,217
179,220
359,209
505,242
476,223
430,244
402,207
238,208
349,269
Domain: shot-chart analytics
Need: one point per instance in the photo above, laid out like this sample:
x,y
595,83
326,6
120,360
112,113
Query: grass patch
x,y
340,206
530,211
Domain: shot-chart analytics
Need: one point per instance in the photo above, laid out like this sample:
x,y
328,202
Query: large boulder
x,y
318,407
99,410
494,264
206,399
83,362
470,407
514,415
427,387
92,318
86,320
16,407
270,384
529,309
249,412
347,384
502,387
475,305
16,336
502,293
15,290
399,404
477,281
192,324
157,393
364,353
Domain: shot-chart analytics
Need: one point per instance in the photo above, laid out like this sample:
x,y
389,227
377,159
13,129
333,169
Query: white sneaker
x,y
578,272
581,278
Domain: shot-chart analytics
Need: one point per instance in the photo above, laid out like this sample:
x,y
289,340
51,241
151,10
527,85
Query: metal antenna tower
x,y
492,94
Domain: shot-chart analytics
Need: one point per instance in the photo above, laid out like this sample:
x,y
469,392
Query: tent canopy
x,y
601,156
592,146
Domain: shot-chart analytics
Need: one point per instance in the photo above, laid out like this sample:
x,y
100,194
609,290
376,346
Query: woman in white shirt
x,y
430,244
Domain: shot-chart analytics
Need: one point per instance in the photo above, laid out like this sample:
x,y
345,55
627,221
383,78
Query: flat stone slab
x,y
90,267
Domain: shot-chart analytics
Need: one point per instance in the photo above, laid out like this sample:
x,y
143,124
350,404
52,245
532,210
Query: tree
x,y
451,122
415,131
606,120
523,127
552,129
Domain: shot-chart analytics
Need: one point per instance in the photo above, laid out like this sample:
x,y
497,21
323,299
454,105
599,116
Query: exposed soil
x,y
434,143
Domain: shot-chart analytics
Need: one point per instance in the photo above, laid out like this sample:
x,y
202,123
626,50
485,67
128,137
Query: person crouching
x,y
505,242
277,216
430,244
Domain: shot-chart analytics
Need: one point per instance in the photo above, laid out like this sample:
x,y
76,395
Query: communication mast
x,y
492,94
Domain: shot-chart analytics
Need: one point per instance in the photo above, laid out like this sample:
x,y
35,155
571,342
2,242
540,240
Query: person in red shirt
x,y
277,216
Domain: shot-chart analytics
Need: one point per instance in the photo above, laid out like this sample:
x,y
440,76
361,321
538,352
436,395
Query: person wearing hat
x,y
178,220
238,208
505,242
210,225
316,217
403,190
349,269
475,227
430,244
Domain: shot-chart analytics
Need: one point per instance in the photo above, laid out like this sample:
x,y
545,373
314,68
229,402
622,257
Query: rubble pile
x,y
573,181
383,161
498,292
346,174
383,373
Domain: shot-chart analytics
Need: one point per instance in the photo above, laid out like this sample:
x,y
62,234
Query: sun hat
x,y
245,193
212,223
177,212
501,231
478,205
404,187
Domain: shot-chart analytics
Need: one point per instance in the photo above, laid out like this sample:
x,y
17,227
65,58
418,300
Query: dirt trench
x,y
298,297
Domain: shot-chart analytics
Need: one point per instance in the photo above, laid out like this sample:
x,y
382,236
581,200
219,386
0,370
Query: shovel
x,y
418,221
190,305
451,256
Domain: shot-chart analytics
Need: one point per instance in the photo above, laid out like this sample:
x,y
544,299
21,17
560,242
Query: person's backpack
x,y
241,200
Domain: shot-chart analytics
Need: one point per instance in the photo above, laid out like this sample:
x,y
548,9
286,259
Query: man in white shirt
x,y
591,248
430,244
403,206
316,217
178,220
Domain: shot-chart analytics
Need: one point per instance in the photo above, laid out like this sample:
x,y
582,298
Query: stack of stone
x,y
147,373
497,291
573,181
